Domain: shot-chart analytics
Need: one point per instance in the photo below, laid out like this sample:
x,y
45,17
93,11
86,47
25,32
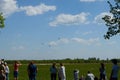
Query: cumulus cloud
x,y
52,43
89,0
8,7
59,41
91,41
98,18
87,33
35,10
68,19
86,42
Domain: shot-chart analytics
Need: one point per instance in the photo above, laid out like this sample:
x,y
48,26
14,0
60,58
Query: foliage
x,y
67,60
2,19
113,22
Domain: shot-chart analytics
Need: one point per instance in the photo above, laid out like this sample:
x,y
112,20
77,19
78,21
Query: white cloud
x,y
87,0
92,41
59,41
98,18
68,19
90,0
16,48
35,10
87,33
8,7
87,42
52,43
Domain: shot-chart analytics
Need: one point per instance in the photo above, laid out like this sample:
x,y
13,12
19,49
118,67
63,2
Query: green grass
x,y
44,73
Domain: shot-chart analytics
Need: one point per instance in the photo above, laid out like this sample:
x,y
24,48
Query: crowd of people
x,y
57,72
102,70
89,76
4,70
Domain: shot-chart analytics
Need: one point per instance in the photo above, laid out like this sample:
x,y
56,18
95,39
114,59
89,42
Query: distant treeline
x,y
67,60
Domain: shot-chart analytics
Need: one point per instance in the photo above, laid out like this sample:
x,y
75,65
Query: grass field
x,y
44,73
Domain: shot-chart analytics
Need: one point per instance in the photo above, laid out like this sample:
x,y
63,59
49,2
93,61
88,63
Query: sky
x,y
56,29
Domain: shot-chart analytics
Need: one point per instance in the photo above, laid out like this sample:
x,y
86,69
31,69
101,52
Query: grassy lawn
x,y
44,73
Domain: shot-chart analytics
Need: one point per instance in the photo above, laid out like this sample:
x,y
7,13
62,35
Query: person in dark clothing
x,y
32,71
53,71
2,71
115,70
102,72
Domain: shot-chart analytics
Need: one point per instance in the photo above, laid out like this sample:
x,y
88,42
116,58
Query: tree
x,y
113,22
2,19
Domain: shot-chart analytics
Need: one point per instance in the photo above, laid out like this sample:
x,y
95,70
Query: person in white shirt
x,y
7,71
61,72
90,76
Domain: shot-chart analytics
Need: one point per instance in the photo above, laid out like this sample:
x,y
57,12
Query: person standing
x,y
32,71
76,74
61,72
6,71
2,71
115,69
53,71
102,72
90,76
16,68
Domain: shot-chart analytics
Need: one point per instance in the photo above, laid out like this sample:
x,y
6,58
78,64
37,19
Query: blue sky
x,y
56,29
